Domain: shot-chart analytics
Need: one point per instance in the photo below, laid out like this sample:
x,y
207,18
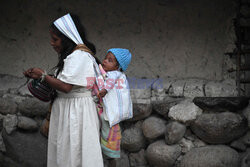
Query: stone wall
x,y
176,123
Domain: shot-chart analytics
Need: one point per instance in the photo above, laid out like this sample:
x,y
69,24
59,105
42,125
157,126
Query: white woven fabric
x,y
117,102
66,25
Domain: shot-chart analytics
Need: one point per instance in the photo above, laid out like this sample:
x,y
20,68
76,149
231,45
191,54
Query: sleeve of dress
x,y
78,69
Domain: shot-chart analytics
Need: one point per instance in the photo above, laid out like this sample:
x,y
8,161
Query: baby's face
x,y
110,63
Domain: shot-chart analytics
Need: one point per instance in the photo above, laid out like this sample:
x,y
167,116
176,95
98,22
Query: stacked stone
x,y
21,115
191,123
176,123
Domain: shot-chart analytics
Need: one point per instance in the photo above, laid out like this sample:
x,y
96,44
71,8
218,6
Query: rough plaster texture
x,y
174,38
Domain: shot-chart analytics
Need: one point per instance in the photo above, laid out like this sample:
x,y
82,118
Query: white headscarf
x,y
66,25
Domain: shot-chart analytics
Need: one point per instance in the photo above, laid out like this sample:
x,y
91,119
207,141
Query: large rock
x,y
211,156
2,145
226,88
28,149
140,93
185,112
194,88
162,106
220,127
8,82
245,162
14,97
10,123
190,135
177,88
174,132
24,91
33,107
1,122
161,155
140,88
221,103
246,139
133,139
8,162
161,87
238,145
138,159
7,106
140,83
142,108
186,145
154,127
246,113
199,143
26,123
123,161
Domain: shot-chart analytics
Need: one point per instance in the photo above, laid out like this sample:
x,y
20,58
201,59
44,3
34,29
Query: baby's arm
x,y
109,83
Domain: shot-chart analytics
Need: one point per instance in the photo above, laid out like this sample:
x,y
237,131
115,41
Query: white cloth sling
x,y
117,102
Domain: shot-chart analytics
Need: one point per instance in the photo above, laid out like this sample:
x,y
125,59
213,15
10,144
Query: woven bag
x,y
40,90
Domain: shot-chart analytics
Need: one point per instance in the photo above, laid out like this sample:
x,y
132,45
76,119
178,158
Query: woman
x,y
74,125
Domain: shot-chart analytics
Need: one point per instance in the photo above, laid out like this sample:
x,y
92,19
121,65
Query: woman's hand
x,y
34,73
55,83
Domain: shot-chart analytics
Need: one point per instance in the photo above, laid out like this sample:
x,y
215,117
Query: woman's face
x,y
55,41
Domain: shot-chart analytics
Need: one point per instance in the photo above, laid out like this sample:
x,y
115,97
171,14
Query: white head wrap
x,y
66,25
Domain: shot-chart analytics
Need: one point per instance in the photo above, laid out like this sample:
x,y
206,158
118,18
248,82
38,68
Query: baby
x,y
114,103
111,70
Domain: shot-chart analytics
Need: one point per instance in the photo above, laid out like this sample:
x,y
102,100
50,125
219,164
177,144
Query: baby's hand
x,y
102,93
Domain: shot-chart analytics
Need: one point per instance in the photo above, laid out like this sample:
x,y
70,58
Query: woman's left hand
x,y
34,73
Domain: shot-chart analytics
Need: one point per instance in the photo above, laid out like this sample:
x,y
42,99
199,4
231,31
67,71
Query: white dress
x,y
74,139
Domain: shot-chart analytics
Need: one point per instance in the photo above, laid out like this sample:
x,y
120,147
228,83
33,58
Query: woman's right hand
x,y
55,83
27,73
34,73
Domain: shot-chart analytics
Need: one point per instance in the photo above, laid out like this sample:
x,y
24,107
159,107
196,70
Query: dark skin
x,y
109,64
36,73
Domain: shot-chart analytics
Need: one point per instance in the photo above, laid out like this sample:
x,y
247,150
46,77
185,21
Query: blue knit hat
x,y
123,56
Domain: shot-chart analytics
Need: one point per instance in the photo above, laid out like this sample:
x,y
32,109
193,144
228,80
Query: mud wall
x,y
174,38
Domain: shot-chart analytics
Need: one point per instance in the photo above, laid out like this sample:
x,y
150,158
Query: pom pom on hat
x,y
123,56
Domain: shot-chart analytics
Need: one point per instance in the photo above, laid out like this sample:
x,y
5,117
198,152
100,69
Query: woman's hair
x,y
68,45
